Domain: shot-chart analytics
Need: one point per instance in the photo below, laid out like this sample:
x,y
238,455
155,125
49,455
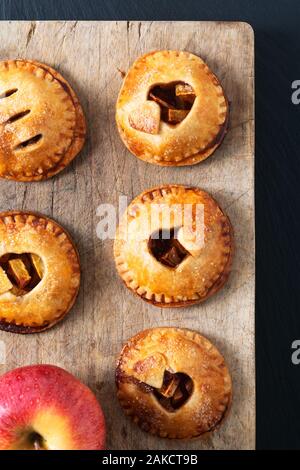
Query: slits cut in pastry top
x,y
173,383
42,125
171,109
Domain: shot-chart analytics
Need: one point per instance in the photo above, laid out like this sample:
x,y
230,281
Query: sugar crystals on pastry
x,y
173,383
174,246
171,109
42,125
39,272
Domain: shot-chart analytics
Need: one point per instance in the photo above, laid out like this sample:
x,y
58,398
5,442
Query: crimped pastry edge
x,y
195,336
79,133
216,286
196,156
23,329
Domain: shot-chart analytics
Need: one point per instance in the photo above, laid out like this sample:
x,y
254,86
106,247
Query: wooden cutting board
x,y
106,314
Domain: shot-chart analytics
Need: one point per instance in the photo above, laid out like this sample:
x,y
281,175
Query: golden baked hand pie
x,y
171,109
39,272
42,126
174,246
173,383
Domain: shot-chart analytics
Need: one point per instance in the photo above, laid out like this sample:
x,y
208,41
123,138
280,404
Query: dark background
x,y
277,35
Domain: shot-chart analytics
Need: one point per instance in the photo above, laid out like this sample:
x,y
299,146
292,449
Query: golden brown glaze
x,y
200,271
42,125
139,374
51,299
140,122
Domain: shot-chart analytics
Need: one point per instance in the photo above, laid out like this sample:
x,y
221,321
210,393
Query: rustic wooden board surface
x,y
88,341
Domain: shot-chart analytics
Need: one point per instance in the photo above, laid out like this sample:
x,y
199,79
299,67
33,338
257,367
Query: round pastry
x,y
171,110
173,383
174,246
39,272
42,125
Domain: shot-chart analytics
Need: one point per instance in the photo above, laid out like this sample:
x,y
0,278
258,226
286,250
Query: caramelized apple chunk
x,y
175,391
185,90
18,270
37,264
160,101
169,386
5,284
177,115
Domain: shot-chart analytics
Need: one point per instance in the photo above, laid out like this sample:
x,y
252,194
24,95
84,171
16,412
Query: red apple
x,y
44,407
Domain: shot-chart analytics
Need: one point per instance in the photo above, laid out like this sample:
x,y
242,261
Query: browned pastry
x,y
163,257
173,383
42,125
171,109
39,272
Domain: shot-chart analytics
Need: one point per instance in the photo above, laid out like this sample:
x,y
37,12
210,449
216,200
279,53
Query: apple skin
x,y
48,402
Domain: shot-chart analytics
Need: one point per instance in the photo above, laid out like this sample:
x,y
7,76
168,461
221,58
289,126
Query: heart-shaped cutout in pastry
x,y
166,249
20,273
175,391
175,99
194,111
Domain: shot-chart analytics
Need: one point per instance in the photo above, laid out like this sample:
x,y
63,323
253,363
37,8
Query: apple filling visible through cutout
x,y
175,391
175,101
166,248
170,389
20,273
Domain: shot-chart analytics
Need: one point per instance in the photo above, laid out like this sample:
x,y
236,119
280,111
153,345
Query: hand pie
x,y
174,246
39,272
173,383
171,110
42,126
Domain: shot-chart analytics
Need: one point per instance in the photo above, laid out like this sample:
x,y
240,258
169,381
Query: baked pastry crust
x,y
199,275
183,351
55,294
198,135
42,125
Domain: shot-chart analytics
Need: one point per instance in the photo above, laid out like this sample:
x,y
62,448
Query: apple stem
x,y
38,442
37,446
